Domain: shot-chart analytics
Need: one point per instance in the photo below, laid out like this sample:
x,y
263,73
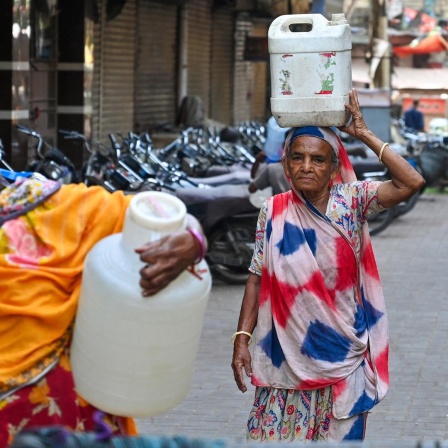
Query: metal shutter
x,y
113,84
222,53
156,65
242,73
250,102
259,106
198,49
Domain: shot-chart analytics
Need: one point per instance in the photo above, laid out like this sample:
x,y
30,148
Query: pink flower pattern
x,y
26,249
294,415
18,241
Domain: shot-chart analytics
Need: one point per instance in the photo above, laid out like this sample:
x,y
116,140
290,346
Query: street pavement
x,y
412,255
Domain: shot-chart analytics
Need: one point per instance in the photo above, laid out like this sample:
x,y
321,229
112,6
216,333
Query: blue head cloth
x,y
326,134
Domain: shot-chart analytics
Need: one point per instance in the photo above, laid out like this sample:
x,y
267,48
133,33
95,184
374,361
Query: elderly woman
x,y
320,357
46,231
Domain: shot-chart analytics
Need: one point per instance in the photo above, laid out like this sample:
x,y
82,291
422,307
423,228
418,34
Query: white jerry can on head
x,y
311,74
131,355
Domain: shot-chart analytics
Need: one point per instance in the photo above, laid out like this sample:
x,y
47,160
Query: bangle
x,y
200,239
381,152
241,332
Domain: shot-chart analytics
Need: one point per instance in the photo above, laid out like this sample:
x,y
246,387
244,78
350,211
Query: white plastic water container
x,y
132,355
311,74
275,139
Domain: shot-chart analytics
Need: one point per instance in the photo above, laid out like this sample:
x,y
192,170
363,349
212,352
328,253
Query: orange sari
x,y
41,261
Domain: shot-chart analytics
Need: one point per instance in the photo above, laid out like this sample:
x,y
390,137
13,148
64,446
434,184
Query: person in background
x,y
413,118
270,175
314,295
267,170
46,230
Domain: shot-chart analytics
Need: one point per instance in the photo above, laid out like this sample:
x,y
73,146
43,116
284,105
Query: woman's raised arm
x,y
405,180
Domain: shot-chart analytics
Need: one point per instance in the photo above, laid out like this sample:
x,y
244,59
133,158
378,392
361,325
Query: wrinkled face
x,y
310,165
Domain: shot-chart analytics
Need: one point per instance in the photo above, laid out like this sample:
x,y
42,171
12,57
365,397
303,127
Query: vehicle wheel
x,y
380,221
406,206
230,250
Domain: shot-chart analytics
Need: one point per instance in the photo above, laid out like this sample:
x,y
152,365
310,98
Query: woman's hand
x,y
405,180
241,359
357,127
248,320
165,259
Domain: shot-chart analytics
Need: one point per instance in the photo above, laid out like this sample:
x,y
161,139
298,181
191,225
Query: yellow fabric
x,y
41,263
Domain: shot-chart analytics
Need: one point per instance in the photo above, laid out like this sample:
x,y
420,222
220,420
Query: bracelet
x,y
241,332
381,152
200,239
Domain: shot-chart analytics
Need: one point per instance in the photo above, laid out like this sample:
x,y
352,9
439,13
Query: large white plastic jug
x,y
133,355
311,74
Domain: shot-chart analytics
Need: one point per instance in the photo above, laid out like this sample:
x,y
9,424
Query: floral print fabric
x,y
44,248
348,206
24,195
44,239
281,403
282,415
20,241
321,313
53,401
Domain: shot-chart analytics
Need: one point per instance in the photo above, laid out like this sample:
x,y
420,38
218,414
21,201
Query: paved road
x,y
412,255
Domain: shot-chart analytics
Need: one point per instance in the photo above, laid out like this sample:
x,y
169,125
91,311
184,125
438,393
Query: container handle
x,y
317,21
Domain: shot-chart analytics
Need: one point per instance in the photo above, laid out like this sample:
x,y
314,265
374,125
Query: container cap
x,y
156,210
338,19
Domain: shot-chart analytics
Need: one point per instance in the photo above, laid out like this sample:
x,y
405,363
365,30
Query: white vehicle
x,y
439,126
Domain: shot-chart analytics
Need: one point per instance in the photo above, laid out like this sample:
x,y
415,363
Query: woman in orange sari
x,y
46,231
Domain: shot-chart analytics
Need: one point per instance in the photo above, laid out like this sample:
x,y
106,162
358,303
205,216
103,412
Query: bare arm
x,y
247,322
259,159
261,180
405,180
252,187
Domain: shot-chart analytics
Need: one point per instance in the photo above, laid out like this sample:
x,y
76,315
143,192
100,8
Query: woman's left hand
x,y
357,127
165,259
404,179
